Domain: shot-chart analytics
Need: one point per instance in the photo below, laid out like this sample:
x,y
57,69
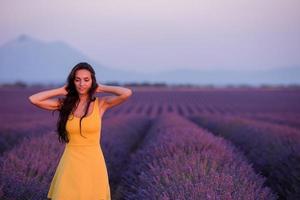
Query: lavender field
x,y
166,144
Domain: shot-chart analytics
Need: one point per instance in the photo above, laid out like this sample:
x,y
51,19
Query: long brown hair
x,y
68,103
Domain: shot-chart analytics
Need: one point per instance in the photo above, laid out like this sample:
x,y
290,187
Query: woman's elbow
x,y
32,99
128,93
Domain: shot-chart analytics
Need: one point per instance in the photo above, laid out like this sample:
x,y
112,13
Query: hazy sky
x,y
156,34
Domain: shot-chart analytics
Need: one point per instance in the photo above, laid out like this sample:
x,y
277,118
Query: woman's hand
x,y
64,89
100,88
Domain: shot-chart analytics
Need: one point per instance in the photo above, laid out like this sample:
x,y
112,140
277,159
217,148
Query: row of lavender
x,y
186,109
14,128
26,170
214,101
179,160
273,149
291,120
19,118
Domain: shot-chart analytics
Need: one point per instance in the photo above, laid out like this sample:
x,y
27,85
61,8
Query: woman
x,y
81,173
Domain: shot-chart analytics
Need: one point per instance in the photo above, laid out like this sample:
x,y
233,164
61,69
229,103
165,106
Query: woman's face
x,y
83,81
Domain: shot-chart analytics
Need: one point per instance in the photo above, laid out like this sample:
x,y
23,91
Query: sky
x,y
159,35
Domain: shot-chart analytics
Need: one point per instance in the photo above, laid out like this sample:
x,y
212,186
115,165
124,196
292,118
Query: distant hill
x,y
33,61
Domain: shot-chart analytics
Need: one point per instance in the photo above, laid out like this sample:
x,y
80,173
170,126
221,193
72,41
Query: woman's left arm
x,y
122,94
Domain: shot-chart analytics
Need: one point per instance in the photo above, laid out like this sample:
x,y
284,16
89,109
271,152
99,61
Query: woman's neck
x,y
83,98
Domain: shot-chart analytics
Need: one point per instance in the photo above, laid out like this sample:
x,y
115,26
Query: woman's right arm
x,y
42,99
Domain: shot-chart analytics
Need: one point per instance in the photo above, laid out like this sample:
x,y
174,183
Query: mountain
x,y
33,61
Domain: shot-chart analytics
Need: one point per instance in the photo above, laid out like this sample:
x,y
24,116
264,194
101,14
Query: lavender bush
x,y
273,149
122,135
178,160
292,120
14,129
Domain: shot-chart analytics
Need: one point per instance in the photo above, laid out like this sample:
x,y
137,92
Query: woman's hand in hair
x,y
64,89
100,88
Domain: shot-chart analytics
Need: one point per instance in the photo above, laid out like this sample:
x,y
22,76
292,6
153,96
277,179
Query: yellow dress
x,y
81,173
